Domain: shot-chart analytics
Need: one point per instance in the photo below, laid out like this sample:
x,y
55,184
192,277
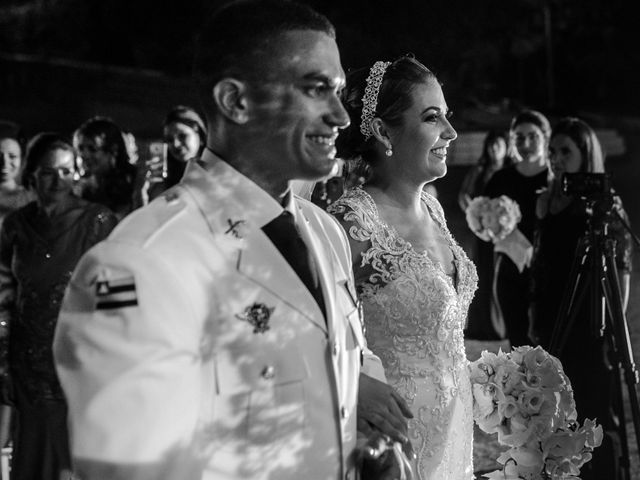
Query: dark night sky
x,y
486,52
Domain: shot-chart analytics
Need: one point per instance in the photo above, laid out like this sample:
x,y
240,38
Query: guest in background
x,y
12,194
586,356
562,221
485,322
109,174
184,135
529,140
492,159
40,245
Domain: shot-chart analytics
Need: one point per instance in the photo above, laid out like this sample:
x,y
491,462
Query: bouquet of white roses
x,y
525,397
496,220
493,218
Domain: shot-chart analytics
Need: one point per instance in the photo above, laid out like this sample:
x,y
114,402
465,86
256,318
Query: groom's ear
x,y
381,132
230,96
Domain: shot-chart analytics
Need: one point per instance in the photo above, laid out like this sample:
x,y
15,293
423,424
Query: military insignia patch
x,y
236,228
257,315
112,294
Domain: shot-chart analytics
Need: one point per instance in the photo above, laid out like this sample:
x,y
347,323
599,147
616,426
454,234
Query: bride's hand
x,y
382,409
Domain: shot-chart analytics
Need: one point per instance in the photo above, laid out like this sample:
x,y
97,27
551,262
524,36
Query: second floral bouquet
x,y
496,220
493,219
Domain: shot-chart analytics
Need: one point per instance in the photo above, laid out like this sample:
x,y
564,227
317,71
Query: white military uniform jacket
x,y
189,349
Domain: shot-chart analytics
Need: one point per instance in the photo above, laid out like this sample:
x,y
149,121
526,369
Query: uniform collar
x,y
222,191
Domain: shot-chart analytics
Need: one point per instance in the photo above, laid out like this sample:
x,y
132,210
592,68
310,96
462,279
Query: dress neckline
x,y
453,280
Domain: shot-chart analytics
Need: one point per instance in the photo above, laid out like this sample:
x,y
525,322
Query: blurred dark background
x,y
62,61
493,55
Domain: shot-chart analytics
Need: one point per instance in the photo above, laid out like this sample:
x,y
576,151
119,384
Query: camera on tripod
x,y
587,185
596,192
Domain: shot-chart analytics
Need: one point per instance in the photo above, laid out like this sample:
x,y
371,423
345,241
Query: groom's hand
x,y
382,409
375,460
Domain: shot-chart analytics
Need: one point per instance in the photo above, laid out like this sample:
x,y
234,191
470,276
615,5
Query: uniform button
x,y
335,348
343,412
268,372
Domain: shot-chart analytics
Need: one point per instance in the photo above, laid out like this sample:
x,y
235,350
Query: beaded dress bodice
x,y
37,258
414,317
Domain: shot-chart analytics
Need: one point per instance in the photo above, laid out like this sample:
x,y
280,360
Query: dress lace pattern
x,y
414,318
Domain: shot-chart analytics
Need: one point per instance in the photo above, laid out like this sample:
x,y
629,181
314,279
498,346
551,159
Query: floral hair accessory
x,y
370,97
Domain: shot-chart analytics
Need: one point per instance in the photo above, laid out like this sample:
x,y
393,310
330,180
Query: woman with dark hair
x,y
414,280
528,142
484,321
109,176
12,194
40,245
185,136
492,159
587,357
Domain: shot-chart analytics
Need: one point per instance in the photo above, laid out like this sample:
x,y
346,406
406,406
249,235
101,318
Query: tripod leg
x,y
579,281
622,340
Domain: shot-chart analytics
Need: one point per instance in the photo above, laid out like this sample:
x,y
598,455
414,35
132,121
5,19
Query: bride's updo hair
x,y
394,97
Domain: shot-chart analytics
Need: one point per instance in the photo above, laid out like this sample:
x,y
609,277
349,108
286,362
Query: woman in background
x,y
414,280
12,194
484,321
529,139
184,136
109,175
586,356
40,245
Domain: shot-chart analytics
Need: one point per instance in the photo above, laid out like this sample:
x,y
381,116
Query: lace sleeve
x,y
352,216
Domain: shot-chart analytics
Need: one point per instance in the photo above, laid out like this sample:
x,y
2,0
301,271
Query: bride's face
x,y
420,143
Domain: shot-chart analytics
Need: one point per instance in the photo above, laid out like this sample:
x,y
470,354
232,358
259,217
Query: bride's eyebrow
x,y
438,110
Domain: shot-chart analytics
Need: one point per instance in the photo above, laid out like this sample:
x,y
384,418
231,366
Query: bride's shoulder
x,y
354,199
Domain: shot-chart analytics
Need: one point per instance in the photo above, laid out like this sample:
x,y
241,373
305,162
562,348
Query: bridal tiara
x,y
370,97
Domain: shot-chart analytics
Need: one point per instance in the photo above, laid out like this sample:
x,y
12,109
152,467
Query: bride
x,y
414,280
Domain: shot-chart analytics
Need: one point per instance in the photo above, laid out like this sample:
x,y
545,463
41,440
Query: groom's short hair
x,y
235,39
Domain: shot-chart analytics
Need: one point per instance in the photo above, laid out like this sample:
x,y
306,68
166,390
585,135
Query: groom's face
x,y
296,111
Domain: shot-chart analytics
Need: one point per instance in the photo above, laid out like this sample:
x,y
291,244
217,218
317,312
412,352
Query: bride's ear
x,y
381,133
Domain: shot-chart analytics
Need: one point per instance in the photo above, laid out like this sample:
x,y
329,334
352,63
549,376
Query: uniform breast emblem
x,y
258,316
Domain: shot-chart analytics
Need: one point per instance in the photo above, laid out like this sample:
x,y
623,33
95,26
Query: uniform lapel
x,y
227,198
262,263
322,256
335,278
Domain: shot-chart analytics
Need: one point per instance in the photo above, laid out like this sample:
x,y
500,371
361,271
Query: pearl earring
x,y
389,151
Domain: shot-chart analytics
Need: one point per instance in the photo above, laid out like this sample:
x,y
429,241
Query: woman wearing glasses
x,y
40,245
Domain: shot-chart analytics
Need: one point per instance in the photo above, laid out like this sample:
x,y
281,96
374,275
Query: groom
x,y
216,334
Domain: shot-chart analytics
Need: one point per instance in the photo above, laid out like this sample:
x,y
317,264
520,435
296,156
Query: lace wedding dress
x,y
414,317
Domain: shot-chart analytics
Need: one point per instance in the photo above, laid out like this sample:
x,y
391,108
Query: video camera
x,y
595,190
587,185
